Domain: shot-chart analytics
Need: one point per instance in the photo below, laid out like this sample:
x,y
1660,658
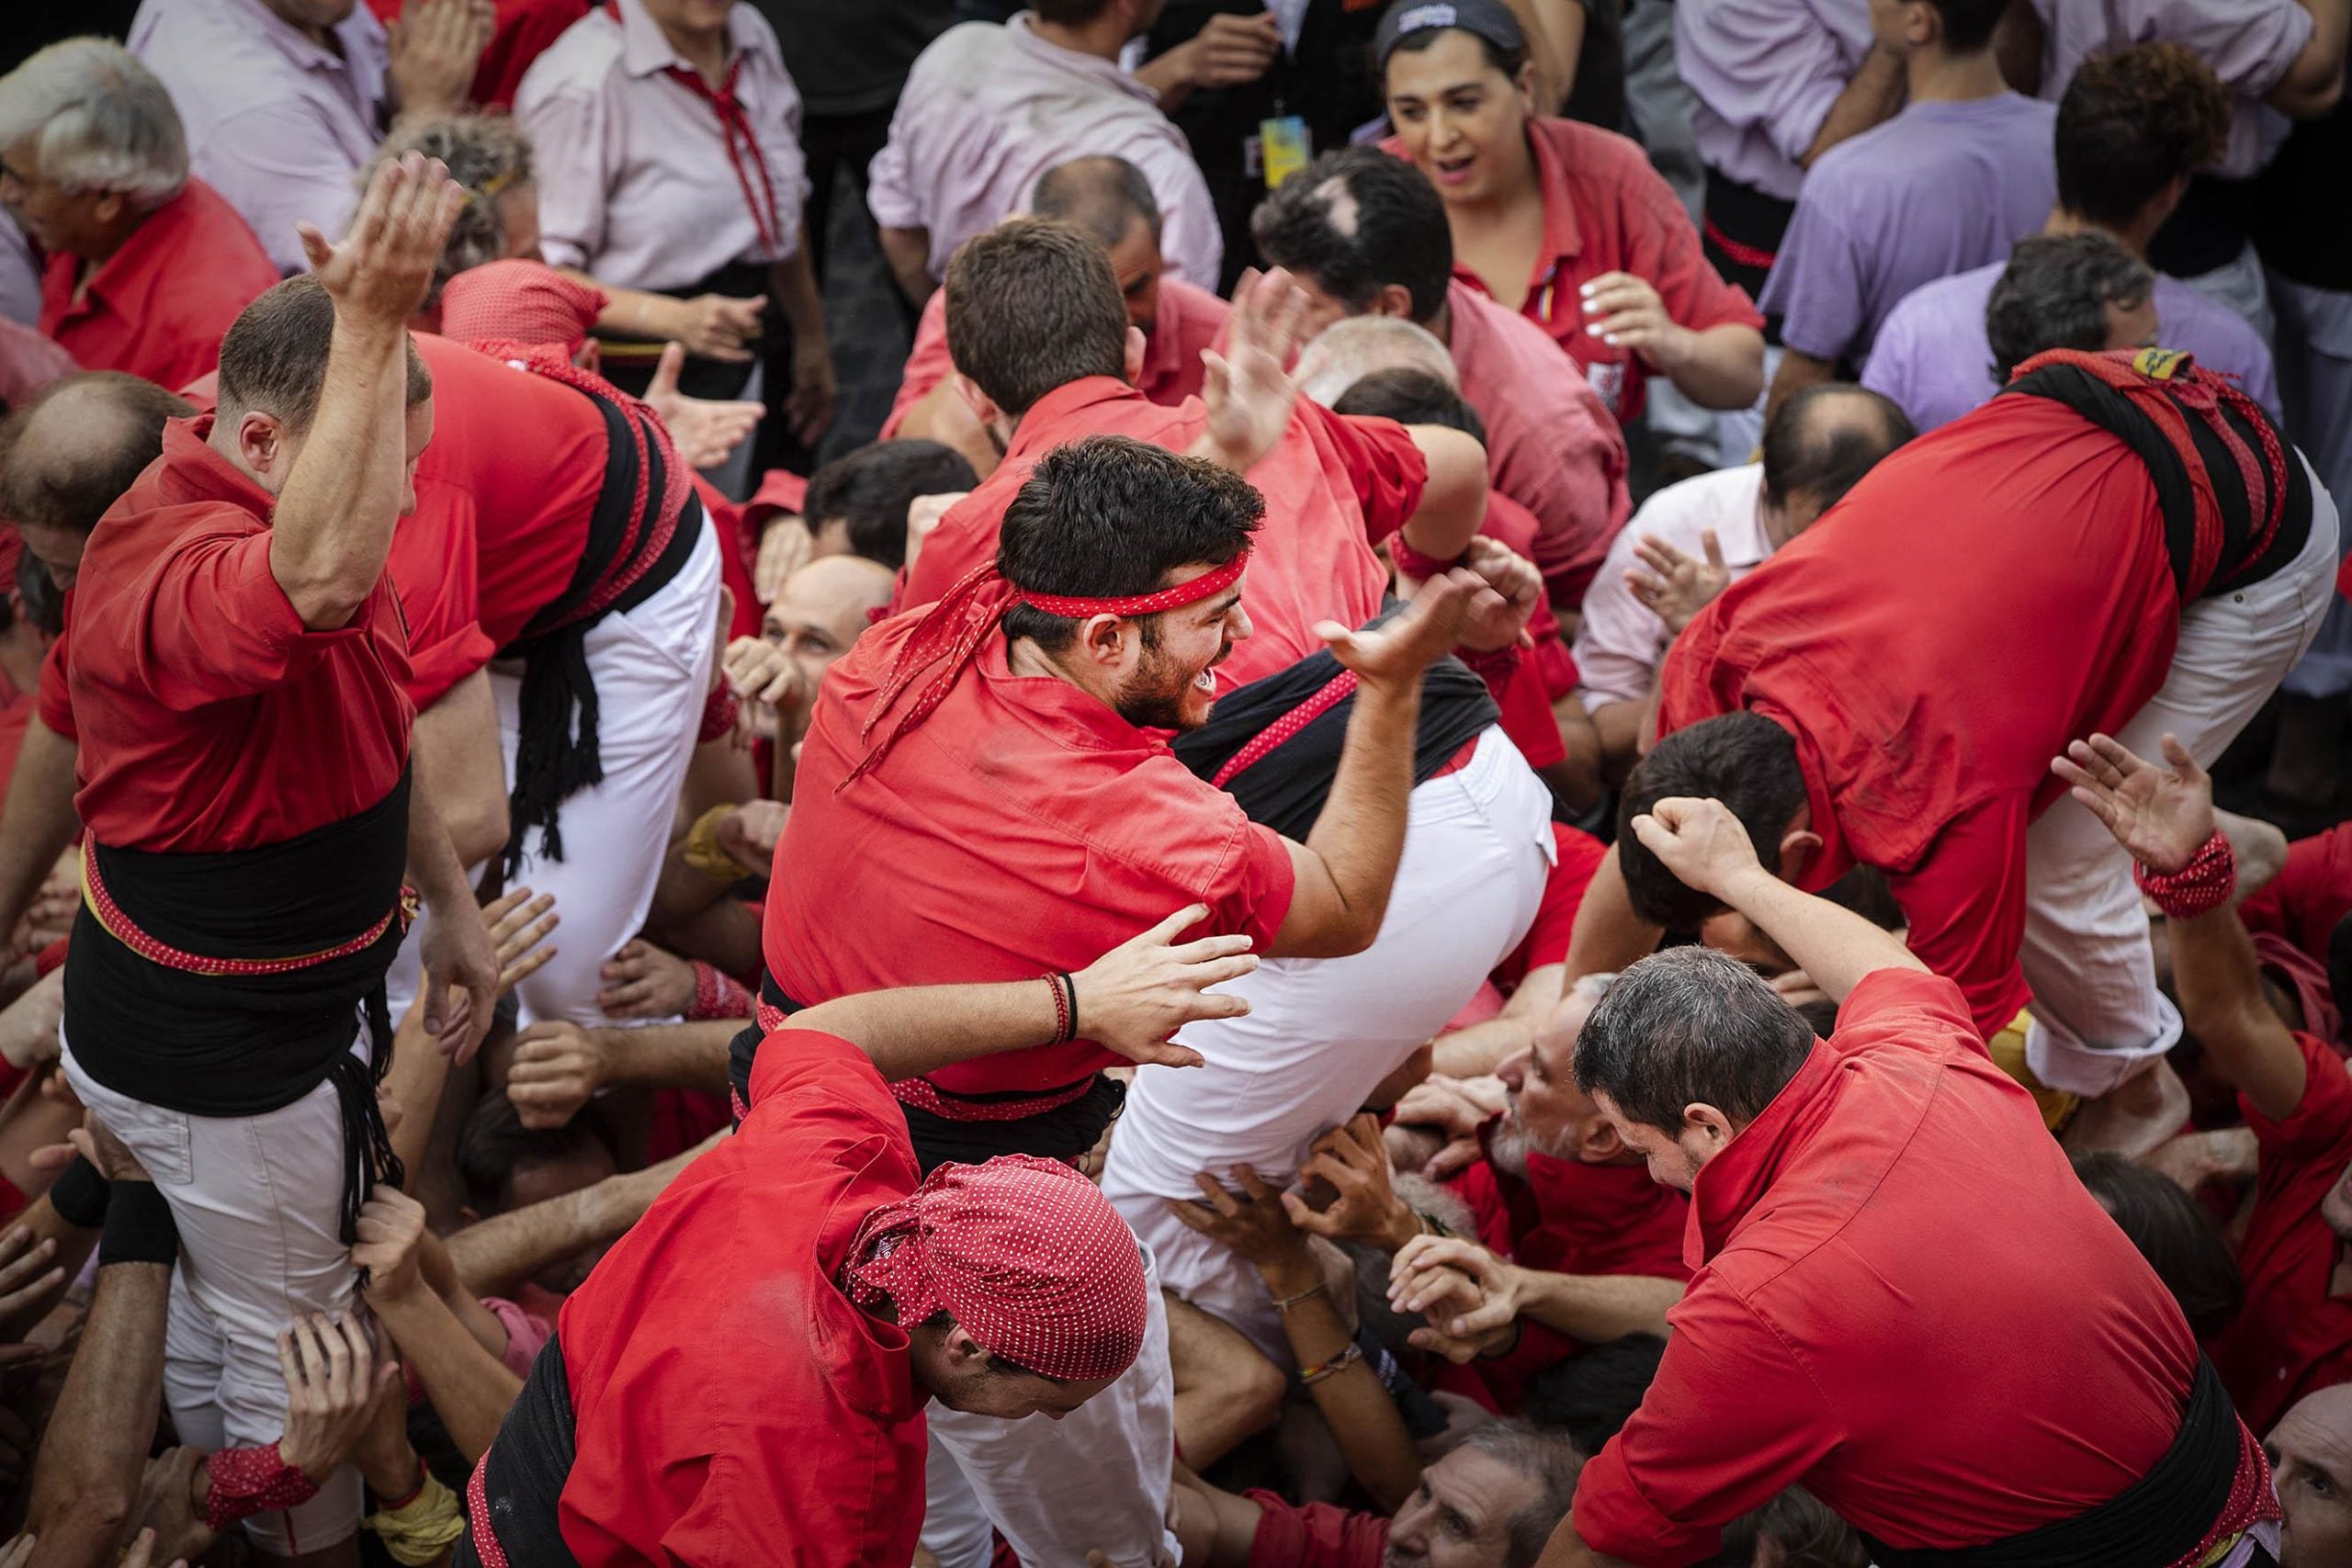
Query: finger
x,y
665,372
1207,948
2116,755
2182,762
315,249
1247,1179
1192,1216
1455,1158
1216,972
1169,1054
1219,1199
1715,551
1164,933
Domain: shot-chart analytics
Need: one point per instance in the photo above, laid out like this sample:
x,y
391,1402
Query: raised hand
x,y
1354,1161
1675,587
435,48
1700,841
378,274
1625,311
2160,816
1142,991
1249,391
1395,655
785,546
706,431
1470,1295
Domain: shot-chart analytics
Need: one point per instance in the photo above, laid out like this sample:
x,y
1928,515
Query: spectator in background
x,y
1565,221
857,504
284,100
1366,234
2310,1455
2133,127
522,31
147,266
988,108
1950,183
2080,291
1691,540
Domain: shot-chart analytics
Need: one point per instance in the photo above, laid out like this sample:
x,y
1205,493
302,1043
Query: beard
x,y
1508,1143
1162,695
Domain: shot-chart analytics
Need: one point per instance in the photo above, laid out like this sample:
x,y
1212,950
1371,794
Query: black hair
x,y
274,356
1742,759
2174,1232
1110,516
1412,395
1103,195
2054,294
1809,451
2131,122
1593,1394
1690,1026
1356,221
1806,1534
494,1142
868,491
1969,24
1033,305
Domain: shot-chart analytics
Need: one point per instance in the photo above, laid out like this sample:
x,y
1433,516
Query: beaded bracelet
x,y
1321,1288
2203,884
1062,1005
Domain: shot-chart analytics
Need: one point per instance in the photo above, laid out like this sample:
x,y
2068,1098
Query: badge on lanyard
x,y
1285,148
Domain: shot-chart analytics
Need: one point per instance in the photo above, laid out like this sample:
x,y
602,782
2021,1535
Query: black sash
x,y
2155,1521
1741,232
523,1474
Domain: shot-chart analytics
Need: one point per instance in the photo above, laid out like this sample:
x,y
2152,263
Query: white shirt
x,y
1621,641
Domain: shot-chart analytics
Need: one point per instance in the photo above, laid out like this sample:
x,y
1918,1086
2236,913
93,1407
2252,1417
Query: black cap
x,y
1488,19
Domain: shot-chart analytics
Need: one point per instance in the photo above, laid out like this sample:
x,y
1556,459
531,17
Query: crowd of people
x,y
1283,783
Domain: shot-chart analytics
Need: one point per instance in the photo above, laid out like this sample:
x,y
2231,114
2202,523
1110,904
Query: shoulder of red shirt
x,y
2320,1127
1314,1535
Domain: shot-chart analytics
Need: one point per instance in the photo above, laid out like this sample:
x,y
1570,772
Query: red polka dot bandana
x,y
1025,1253
519,302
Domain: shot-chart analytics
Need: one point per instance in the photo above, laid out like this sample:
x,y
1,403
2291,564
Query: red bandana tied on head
x,y
1025,1253
954,626
520,301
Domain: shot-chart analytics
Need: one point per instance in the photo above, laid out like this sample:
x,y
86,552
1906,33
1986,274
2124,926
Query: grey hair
x,y
1358,346
487,155
2054,294
100,120
1551,1461
1690,1026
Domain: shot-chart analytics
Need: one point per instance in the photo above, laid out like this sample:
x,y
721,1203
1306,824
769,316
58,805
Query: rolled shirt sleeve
x,y
211,622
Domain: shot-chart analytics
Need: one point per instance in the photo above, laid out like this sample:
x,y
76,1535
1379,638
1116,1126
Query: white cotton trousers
x,y
2098,1016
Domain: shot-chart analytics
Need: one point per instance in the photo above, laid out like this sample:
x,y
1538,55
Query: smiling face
x,y
1168,684
1463,123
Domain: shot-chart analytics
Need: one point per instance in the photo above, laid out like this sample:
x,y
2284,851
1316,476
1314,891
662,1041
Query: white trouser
x,y
1096,1479
2314,346
651,666
1322,1032
2098,1016
258,1200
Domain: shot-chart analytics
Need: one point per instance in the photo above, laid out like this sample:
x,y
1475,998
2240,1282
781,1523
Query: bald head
x,y
1106,197
1819,446
1349,350
824,606
71,452
2311,1452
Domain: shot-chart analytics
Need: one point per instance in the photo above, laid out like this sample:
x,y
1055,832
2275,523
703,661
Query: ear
x,y
983,407
109,207
1922,23
1102,640
1134,355
1598,1142
963,1351
1524,85
1393,300
1798,846
261,442
1712,1127
2167,200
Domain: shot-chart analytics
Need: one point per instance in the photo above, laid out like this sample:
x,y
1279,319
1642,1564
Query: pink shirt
x,y
637,181
988,108
1620,641
1551,445
276,122
2249,44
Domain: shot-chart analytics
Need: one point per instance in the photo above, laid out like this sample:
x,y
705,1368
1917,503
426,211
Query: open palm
x,y
1249,392
2161,816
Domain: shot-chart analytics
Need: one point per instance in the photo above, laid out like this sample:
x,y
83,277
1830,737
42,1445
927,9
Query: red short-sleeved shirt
x,y
53,698
210,718
1606,210
743,1408
1023,827
1994,589
2293,1335
2309,895
1334,486
1315,1535
1816,1343
157,308
1190,319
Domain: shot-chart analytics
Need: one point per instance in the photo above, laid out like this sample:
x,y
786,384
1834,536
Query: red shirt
x,y
157,308
1526,697
210,718
1190,319
15,712
1551,444
1024,827
2309,895
1607,210
1334,486
1316,1535
2294,1335
525,29
1906,1301
53,698
1993,591
743,1410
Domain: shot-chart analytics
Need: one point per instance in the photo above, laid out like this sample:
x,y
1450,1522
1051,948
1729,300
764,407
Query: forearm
x,y
2219,980
38,823
1555,30
911,1032
723,928
1567,1549
494,1258
669,1055
1873,94
1360,833
1597,1308
632,312
1352,1401
1169,75
332,527
1478,1050
455,761
74,1246
419,1073
2315,81
1834,945
1619,724
433,865
1798,370
1722,367
1608,936
468,1387
909,253
1453,503
86,1484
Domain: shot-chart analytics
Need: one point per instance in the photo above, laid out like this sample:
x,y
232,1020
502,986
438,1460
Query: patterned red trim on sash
x,y
119,926
486,1545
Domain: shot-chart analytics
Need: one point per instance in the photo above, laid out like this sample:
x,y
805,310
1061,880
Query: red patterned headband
x,y
1188,592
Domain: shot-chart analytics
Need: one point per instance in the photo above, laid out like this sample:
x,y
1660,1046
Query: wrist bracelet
x,y
1069,989
717,996
1062,1007
246,1482
140,1228
2202,885
703,853
1412,563
79,1197
1321,1288
1310,1376
422,1529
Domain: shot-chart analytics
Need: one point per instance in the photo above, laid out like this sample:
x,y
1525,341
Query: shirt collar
x,y
299,47
157,239
1040,428
646,51
1074,717
193,472
1730,1185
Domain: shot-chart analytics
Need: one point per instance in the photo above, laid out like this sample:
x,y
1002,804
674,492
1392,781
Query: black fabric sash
x,y
523,1474
1750,220
2116,413
556,758
238,1045
1285,789
2154,1522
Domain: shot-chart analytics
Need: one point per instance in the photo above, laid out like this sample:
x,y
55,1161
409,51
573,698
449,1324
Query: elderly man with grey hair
x,y
147,266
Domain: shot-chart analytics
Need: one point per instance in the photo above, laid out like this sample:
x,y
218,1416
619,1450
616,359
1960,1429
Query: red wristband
x,y
717,996
1414,564
246,1482
2203,884
718,711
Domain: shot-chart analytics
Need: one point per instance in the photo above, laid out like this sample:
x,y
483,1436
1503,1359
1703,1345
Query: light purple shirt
x,y
1620,641
19,276
1765,74
276,122
2249,44
988,108
636,182
1931,356
1942,188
